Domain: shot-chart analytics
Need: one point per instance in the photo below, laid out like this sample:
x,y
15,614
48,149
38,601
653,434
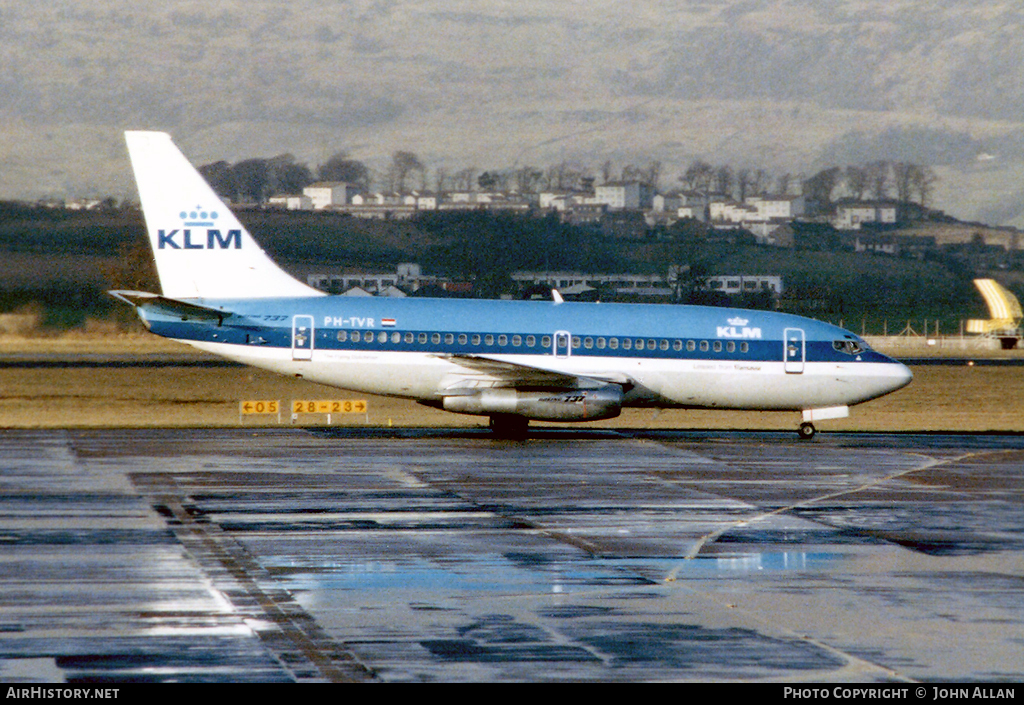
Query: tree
x,y
723,180
252,177
698,176
819,187
221,179
856,179
287,176
877,175
923,181
527,179
341,167
403,164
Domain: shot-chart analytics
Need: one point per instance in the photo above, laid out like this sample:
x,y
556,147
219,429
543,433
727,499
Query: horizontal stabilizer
x,y
162,305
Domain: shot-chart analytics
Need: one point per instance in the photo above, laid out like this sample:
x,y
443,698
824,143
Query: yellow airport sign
x,y
259,406
328,406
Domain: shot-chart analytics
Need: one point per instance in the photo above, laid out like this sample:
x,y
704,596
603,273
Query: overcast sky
x,y
785,85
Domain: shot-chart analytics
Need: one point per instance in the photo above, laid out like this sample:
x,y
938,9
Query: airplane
x,y
511,361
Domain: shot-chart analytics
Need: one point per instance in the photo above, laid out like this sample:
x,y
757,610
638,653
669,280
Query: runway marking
x,y
856,663
296,630
713,536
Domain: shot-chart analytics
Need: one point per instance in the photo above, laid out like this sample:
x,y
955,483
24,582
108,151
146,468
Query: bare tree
x,y
878,177
403,164
698,176
340,167
527,179
723,181
857,182
902,179
819,188
923,181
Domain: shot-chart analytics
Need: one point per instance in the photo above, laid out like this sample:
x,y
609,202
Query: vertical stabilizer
x,y
201,249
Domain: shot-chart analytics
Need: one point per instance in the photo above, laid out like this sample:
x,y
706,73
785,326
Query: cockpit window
x,y
850,347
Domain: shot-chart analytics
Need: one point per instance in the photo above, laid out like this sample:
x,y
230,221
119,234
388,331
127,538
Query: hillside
x,y
62,265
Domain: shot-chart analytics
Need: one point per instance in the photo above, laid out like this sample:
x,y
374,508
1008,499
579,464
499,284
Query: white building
x,y
738,284
325,194
624,195
850,214
292,203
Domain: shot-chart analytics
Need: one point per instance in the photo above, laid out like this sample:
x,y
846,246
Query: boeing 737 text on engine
x,y
511,361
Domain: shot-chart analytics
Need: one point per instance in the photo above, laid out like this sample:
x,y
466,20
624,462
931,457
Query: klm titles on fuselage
x,y
737,328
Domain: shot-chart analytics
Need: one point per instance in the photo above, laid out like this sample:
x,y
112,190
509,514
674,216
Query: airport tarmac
x,y
441,555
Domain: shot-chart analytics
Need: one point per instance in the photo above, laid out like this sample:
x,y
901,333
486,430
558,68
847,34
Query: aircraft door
x,y
563,343
794,350
302,337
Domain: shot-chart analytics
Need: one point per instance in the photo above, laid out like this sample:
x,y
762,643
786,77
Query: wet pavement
x,y
404,555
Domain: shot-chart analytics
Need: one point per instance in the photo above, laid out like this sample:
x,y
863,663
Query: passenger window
x,y
531,340
463,339
449,338
342,336
575,342
718,346
730,346
435,338
422,338
691,346
703,346
601,343
503,340
409,338
517,340
355,336
652,344
489,339
476,339
588,343
664,345
677,345
396,337
613,343
545,342
744,347
627,343
382,337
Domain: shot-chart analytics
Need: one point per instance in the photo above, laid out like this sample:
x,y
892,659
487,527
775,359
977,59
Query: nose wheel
x,y
807,431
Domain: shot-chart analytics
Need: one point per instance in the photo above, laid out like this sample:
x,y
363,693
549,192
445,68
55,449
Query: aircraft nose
x,y
899,374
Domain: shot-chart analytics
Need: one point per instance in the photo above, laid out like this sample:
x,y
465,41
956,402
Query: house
x,y
850,214
292,202
327,194
624,195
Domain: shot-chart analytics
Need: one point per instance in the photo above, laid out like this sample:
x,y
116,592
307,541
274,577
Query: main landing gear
x,y
806,431
509,427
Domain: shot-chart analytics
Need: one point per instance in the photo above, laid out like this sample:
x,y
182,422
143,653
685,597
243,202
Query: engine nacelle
x,y
569,405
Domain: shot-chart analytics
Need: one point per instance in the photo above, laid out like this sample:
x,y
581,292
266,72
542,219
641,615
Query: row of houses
x,y
761,215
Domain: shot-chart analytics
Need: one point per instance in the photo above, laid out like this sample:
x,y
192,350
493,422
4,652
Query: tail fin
x,y
201,249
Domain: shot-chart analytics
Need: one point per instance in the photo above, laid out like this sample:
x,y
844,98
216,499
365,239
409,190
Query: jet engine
x,y
564,405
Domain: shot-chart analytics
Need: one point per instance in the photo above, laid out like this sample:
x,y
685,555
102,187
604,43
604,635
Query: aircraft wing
x,y
518,375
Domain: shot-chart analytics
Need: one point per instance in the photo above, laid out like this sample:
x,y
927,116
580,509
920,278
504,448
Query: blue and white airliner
x,y
511,361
